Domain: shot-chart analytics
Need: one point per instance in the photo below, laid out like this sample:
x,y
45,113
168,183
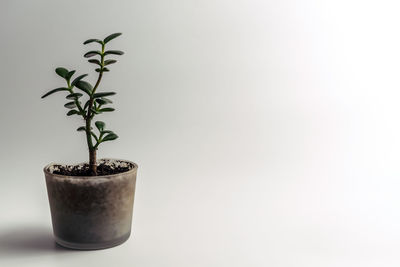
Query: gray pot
x,y
91,212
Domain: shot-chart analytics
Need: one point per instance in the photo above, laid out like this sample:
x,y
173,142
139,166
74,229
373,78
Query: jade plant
x,y
96,102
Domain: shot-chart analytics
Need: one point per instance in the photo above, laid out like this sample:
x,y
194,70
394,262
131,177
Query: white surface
x,y
266,132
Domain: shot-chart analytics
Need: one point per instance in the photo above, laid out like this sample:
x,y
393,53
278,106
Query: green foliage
x,y
103,69
102,94
84,86
103,101
110,137
92,53
95,136
106,109
69,75
63,72
93,40
109,62
100,125
111,36
70,105
74,96
95,61
54,91
77,79
114,52
72,112
95,100
104,135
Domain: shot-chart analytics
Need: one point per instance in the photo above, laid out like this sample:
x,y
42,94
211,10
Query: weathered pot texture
x,y
91,212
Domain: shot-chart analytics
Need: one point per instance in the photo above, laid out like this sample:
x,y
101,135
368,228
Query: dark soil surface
x,y
83,169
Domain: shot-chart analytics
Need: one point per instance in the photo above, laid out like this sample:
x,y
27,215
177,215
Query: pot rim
x,y
134,169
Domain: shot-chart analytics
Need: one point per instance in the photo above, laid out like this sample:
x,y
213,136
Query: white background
x,y
267,133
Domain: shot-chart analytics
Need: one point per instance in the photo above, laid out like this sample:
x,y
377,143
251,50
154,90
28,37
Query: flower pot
x,y
91,212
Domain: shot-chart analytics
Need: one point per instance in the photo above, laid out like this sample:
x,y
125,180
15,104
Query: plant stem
x,y
76,100
92,150
89,116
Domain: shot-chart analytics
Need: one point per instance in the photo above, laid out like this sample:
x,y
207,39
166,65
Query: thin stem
x,y
71,91
99,140
89,117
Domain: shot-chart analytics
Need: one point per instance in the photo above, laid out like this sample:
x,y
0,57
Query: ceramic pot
x,y
91,212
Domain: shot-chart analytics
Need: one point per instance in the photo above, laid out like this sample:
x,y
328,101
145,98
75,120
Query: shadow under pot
x,y
91,212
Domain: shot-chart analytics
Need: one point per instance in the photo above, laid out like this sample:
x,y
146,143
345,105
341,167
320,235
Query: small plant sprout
x,y
96,103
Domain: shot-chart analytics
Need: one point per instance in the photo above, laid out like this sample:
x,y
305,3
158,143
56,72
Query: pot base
x,y
92,246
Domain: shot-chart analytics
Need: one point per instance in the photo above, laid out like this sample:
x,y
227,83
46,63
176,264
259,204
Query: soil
x,y
104,167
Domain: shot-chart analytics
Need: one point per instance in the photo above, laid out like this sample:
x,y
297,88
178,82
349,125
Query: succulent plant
x,y
96,102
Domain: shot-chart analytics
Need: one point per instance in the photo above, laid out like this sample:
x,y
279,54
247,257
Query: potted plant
x,y
91,203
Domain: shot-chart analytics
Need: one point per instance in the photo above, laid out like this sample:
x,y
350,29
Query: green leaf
x,y
84,86
109,62
93,40
72,112
77,79
109,137
100,125
70,105
100,101
92,53
106,109
103,101
69,75
111,36
113,52
102,69
102,94
54,91
95,61
107,131
95,137
86,104
82,128
74,96
108,101
63,72
94,111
